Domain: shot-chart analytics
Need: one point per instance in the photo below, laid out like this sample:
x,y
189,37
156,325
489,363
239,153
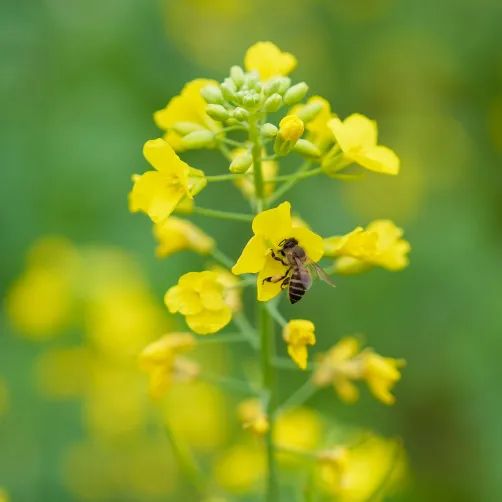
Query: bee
x,y
300,269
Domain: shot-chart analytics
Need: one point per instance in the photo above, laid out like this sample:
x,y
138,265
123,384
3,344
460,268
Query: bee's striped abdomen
x,y
296,287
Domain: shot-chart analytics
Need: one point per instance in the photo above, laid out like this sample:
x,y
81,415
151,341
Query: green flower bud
x,y
241,163
283,84
252,78
307,148
212,94
240,114
248,101
309,112
183,128
271,87
237,75
217,112
196,180
269,130
296,93
198,139
273,103
228,89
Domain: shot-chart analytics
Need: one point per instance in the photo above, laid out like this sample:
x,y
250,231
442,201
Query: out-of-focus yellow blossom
x,y
298,429
380,244
334,463
157,193
268,60
357,138
175,234
318,131
197,414
345,363
298,334
246,183
232,291
270,228
372,468
189,107
4,398
162,361
200,297
240,468
252,416
41,301
3,496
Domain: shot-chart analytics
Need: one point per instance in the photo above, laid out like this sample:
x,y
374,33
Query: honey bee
x,y
300,269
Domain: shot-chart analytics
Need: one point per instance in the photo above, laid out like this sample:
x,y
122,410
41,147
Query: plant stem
x,y
225,177
223,215
305,392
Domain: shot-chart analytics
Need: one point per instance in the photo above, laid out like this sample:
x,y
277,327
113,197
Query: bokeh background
x,y
79,81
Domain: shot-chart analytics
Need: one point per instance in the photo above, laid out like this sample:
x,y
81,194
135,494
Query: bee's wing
x,y
304,272
322,274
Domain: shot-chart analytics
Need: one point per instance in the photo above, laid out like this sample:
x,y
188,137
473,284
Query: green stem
x,y
225,177
303,394
223,215
231,383
222,258
300,174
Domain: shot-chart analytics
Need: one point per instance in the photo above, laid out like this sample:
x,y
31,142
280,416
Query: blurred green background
x,y
79,81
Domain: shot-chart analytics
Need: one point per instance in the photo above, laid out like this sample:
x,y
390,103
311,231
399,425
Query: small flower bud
x,y
212,94
183,128
309,112
241,163
217,112
237,75
296,93
248,101
240,114
290,130
307,148
252,78
269,130
198,139
271,87
283,84
273,103
228,89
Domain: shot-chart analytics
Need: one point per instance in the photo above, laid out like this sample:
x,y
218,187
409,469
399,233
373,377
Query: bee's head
x,y
288,243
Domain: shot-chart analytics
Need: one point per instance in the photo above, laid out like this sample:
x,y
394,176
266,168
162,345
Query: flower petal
x,y
273,224
252,257
268,60
162,157
183,300
299,355
209,321
271,268
312,243
379,159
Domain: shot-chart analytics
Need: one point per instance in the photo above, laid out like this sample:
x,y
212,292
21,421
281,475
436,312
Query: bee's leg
x,y
277,278
278,258
285,283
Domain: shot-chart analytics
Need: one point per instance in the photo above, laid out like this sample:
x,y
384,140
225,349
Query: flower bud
x,y
283,84
240,113
212,94
183,128
217,112
241,163
273,103
198,139
296,93
237,75
290,129
307,148
228,89
309,111
269,130
252,78
271,87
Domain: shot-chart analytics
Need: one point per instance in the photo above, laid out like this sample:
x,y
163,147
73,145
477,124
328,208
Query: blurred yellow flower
x,y
161,359
270,228
175,234
157,193
232,291
268,60
298,429
380,244
240,468
298,334
345,363
252,416
200,297
357,138
188,109
373,468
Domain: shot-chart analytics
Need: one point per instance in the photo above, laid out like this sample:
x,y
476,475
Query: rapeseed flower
x,y
253,417
270,228
298,334
268,60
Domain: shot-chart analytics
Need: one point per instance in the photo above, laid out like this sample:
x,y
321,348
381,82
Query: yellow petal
x,y
211,296
354,133
273,224
209,321
183,300
299,355
153,196
312,243
268,290
346,390
252,257
379,159
162,157
268,60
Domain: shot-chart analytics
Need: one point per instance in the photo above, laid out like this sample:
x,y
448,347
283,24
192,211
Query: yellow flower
x,y
200,297
187,108
345,363
357,137
299,333
162,361
268,60
380,244
232,291
318,131
270,228
291,128
175,234
157,193
252,416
